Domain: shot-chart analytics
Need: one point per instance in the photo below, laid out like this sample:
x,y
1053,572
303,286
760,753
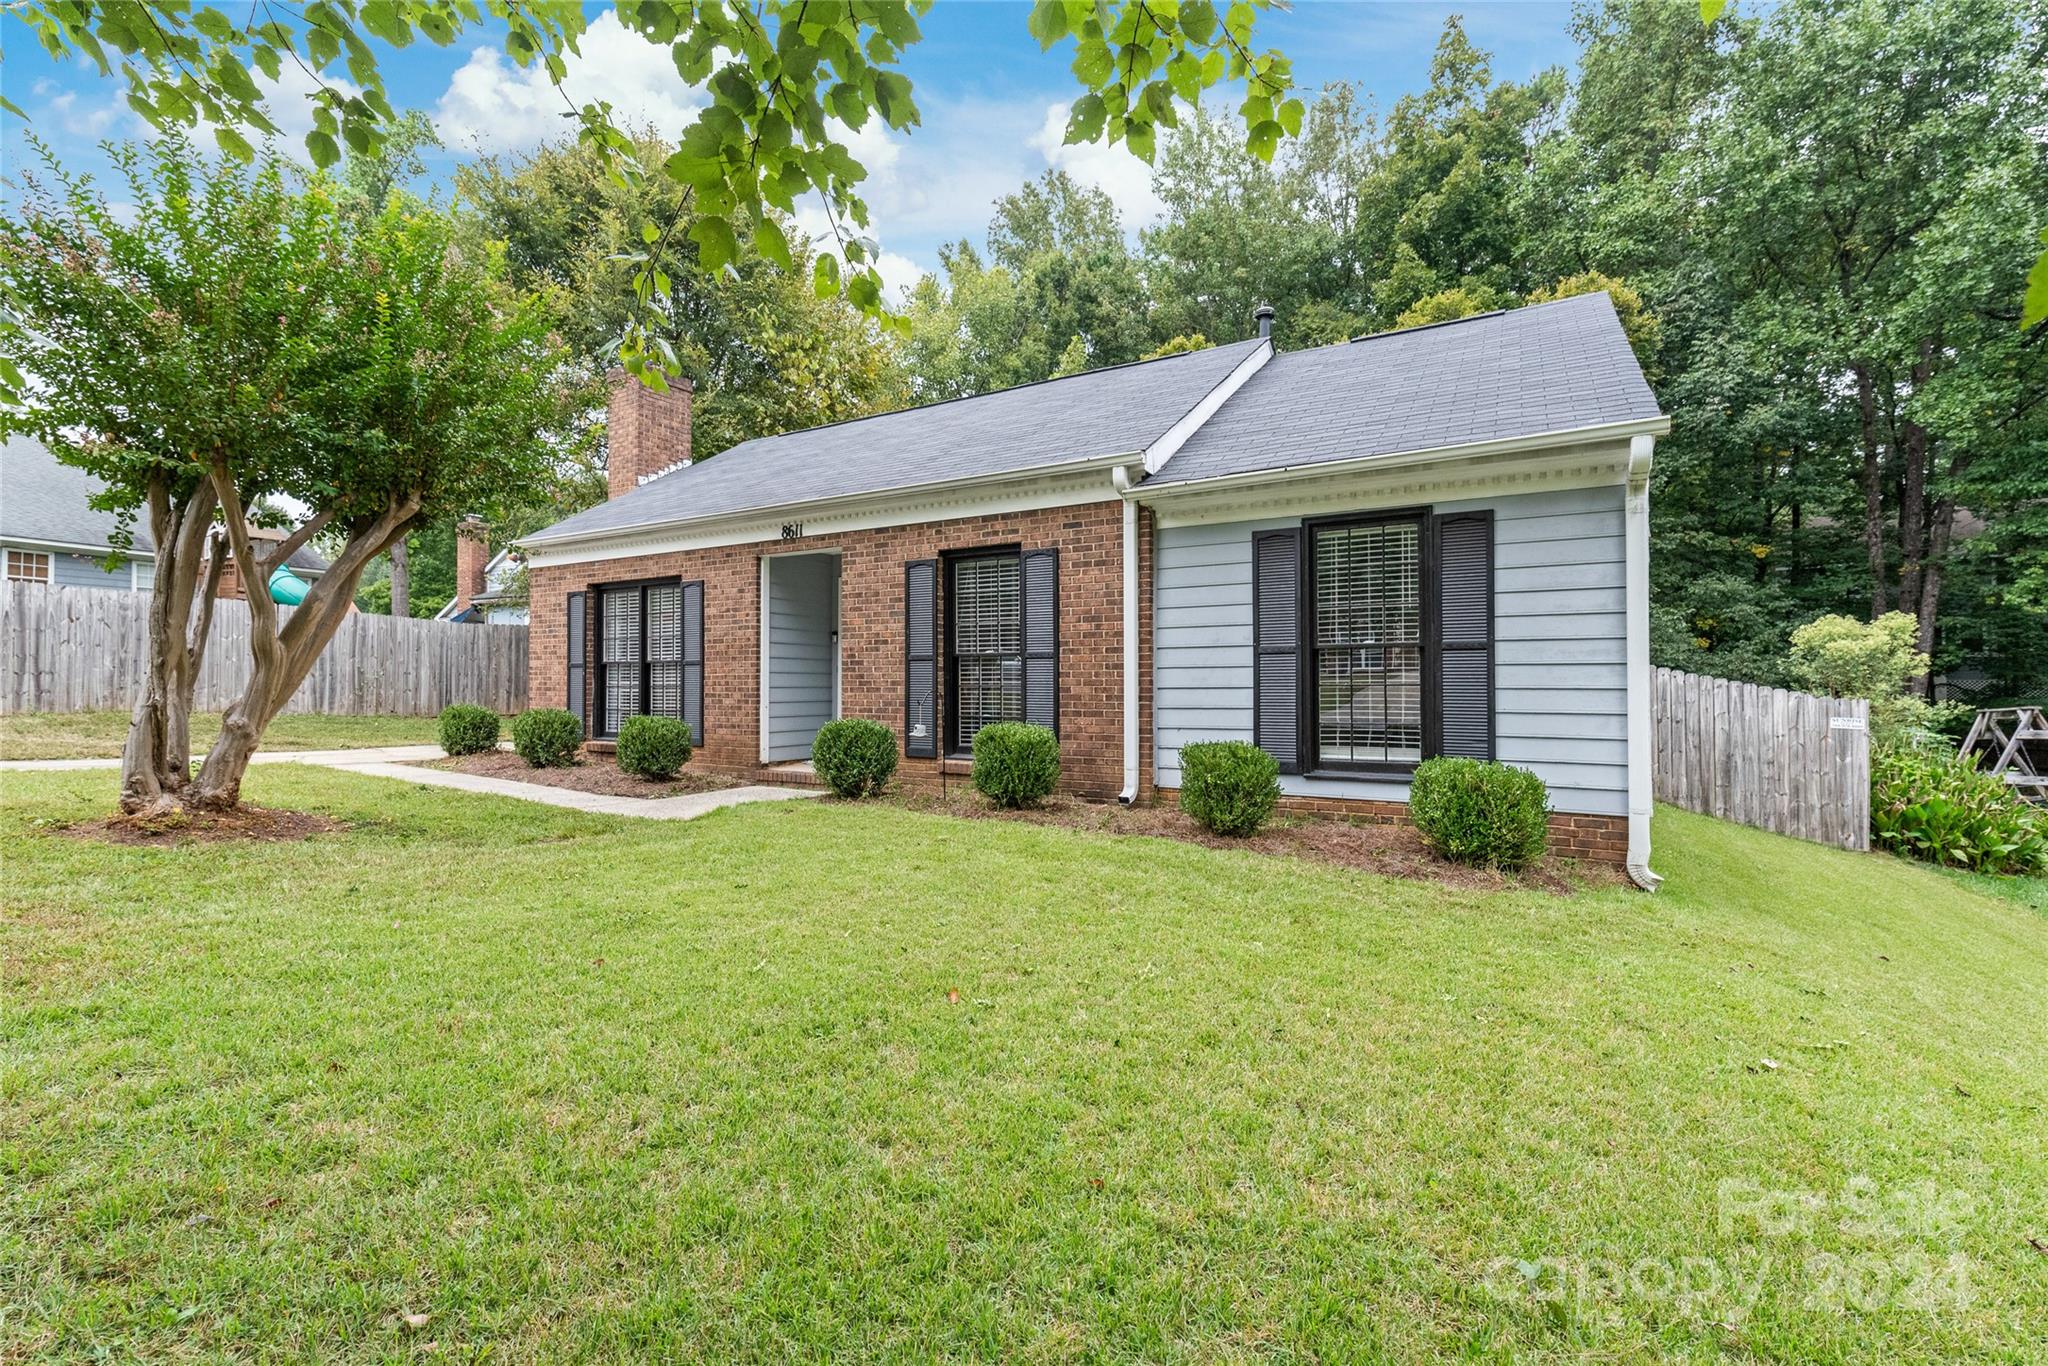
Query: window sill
x,y
1388,773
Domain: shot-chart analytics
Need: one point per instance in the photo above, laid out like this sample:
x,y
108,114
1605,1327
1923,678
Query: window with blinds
x,y
619,634
664,607
640,653
1367,643
985,645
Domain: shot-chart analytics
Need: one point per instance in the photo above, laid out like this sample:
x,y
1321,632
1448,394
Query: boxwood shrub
x,y
1930,803
547,737
1471,811
1228,786
468,729
1016,764
855,757
654,746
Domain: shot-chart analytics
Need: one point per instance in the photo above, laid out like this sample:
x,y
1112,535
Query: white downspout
x,y
1637,557
1121,478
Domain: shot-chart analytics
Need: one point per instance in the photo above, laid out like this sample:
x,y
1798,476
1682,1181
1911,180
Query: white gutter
x,y
1636,535
847,502
1120,477
73,548
1176,436
1329,469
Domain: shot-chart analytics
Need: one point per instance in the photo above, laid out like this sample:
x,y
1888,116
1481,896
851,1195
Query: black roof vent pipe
x,y
1263,316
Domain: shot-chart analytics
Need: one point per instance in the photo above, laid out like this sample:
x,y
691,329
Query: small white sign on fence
x,y
1845,723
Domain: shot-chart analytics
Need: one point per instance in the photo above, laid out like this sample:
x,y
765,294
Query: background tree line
x,y
1816,224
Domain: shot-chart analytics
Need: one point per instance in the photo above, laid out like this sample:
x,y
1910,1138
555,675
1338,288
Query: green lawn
x,y
2028,891
591,1088
100,734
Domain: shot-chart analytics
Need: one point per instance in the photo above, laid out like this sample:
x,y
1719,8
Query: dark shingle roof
x,y
42,500
1544,368
1114,411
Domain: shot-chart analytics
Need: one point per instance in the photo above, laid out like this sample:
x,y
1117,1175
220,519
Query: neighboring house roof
x,y
45,501
41,500
496,571
1544,368
1115,411
305,560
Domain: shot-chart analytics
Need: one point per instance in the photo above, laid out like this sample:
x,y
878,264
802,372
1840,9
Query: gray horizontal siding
x,y
800,622
1560,673
86,571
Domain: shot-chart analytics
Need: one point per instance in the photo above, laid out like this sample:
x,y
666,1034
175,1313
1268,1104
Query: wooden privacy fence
x,y
87,649
1783,761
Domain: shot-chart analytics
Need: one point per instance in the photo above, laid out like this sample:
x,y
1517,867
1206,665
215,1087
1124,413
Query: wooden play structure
x,y
2013,743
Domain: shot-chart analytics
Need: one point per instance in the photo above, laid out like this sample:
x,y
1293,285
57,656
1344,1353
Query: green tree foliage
x,y
1238,232
1058,291
786,81
1843,656
232,344
764,352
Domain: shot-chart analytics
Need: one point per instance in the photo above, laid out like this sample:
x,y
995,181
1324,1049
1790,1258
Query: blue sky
x,y
992,102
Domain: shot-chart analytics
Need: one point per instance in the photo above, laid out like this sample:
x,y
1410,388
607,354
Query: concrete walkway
x,y
402,762
387,754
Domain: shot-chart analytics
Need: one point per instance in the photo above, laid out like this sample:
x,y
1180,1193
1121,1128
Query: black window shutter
x,y
1041,603
920,659
1276,646
693,659
1464,606
579,637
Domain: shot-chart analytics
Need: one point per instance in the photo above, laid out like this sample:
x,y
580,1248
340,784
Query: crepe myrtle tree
x,y
785,83
231,347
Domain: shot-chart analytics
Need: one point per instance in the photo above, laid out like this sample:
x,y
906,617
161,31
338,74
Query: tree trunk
x,y
1940,533
401,580
156,759
1873,490
1913,451
281,659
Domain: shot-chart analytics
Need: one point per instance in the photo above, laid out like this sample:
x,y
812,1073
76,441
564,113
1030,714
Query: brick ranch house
x,y
1430,541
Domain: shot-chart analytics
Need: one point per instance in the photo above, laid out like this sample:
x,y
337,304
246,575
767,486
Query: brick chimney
x,y
472,553
645,432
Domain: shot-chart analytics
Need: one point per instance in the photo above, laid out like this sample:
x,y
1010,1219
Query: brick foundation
x,y
1089,538
1596,839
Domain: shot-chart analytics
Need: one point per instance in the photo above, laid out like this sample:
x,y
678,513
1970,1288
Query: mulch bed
x,y
1392,850
594,773
207,827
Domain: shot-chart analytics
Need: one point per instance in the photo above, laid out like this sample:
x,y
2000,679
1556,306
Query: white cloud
x,y
495,106
1112,169
899,274
110,117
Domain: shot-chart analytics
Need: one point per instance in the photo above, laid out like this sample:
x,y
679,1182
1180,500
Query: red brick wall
x,y
1596,839
472,553
1089,539
645,432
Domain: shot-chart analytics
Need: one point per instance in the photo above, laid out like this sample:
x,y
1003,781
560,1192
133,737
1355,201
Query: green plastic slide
x,y
287,587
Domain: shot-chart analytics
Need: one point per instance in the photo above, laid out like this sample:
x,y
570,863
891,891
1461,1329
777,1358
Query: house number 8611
x,y
792,531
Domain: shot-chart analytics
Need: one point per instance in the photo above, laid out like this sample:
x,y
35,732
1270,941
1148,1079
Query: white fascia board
x,y
74,548
1063,485
1153,492
1176,436
1574,466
